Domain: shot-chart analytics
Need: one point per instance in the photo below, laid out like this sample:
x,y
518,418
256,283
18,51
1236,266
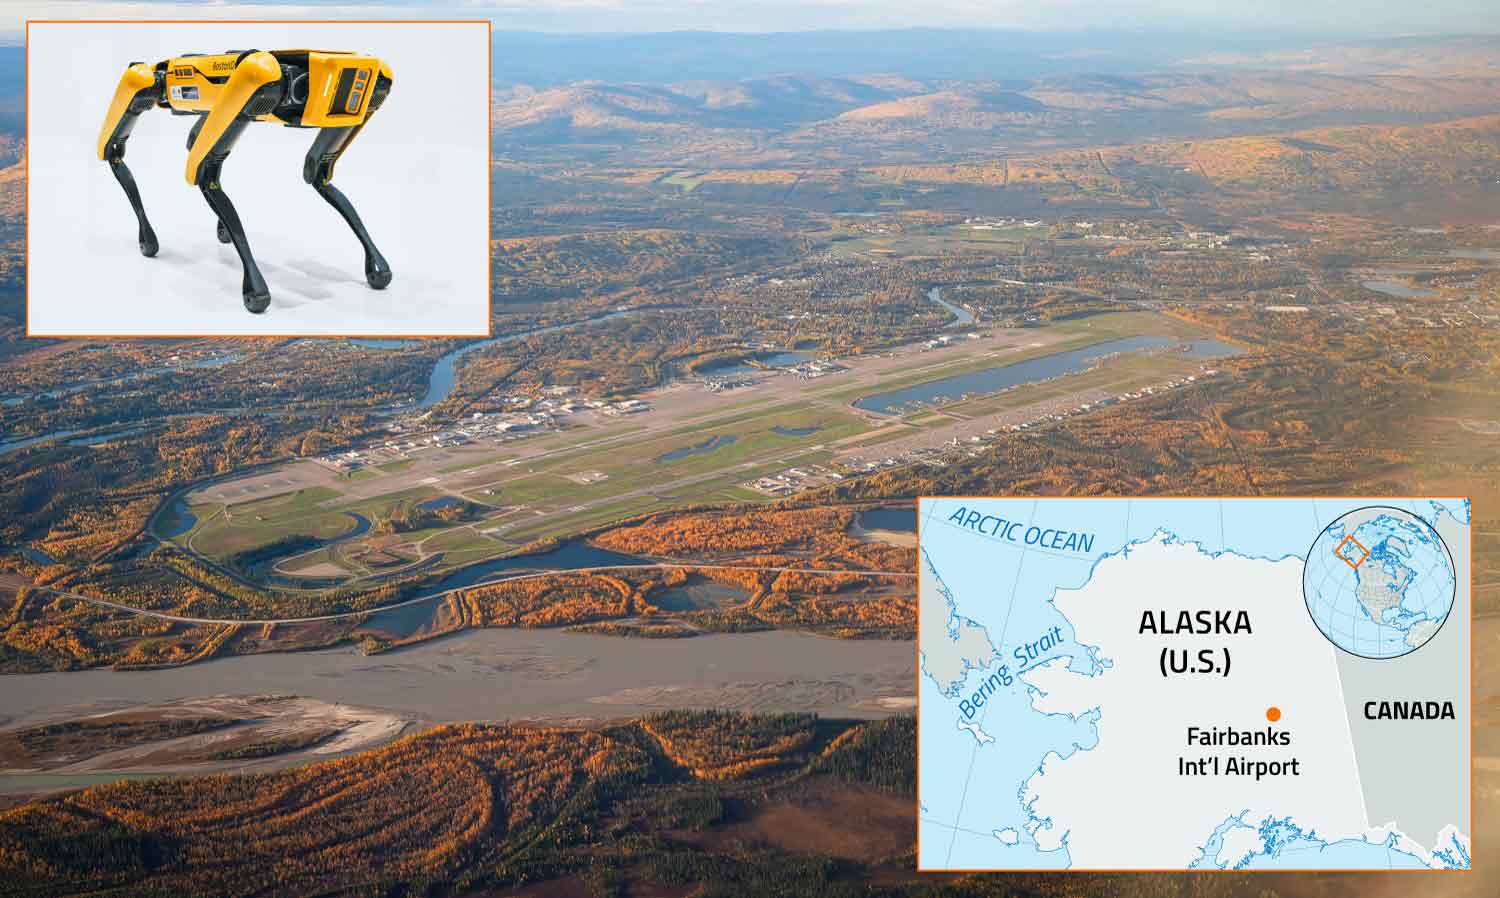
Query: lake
x,y
1003,377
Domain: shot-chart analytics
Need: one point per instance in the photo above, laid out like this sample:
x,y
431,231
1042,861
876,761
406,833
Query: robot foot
x,y
257,302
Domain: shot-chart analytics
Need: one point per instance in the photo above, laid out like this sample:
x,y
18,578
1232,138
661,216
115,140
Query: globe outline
x,y
1307,599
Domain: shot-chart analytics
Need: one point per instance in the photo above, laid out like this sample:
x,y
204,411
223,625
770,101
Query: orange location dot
x,y
1273,713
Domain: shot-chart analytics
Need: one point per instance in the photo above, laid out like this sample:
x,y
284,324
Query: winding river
x,y
961,318
439,383
445,371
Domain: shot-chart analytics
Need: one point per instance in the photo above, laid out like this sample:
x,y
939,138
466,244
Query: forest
x,y
758,552
682,802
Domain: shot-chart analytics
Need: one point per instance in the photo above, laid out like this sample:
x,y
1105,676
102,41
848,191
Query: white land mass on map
x,y
1123,803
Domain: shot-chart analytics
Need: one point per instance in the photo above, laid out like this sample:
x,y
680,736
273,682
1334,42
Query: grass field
x,y
248,525
461,545
377,507
1076,335
333,555
561,524
636,466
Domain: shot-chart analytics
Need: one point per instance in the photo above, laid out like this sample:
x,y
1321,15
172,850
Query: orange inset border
x,y
917,679
1339,551
489,268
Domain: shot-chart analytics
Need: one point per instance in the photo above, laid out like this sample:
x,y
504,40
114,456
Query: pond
x,y
698,594
708,445
571,555
439,503
100,439
901,520
176,520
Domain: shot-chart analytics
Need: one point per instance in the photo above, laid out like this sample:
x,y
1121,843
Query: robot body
x,y
334,92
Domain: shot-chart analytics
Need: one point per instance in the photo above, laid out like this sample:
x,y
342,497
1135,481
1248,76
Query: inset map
x,y
1379,582
1138,684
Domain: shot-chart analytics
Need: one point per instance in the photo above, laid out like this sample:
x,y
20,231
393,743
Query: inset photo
x,y
224,178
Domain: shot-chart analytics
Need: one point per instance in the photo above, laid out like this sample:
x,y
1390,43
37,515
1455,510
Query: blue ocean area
x,y
1283,845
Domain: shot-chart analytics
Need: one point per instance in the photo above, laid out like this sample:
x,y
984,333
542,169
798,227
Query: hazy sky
x,y
1353,17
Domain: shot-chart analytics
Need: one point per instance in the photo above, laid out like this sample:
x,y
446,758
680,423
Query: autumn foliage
x,y
429,807
720,745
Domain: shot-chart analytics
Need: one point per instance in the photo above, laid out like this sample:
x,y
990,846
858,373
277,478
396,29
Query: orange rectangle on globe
x,y
1352,562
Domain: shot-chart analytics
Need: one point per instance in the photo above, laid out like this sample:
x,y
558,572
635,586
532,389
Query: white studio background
x,y
418,175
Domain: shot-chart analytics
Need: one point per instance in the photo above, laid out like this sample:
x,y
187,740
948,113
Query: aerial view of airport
x,y
634,578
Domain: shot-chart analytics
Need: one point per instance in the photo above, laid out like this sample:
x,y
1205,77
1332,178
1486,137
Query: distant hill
x,y
598,108
1370,162
897,96
899,118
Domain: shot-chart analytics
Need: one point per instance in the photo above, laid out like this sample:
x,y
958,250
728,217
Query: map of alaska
x,y
1164,700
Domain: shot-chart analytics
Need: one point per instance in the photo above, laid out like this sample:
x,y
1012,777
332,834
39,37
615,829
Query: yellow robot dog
x,y
333,91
